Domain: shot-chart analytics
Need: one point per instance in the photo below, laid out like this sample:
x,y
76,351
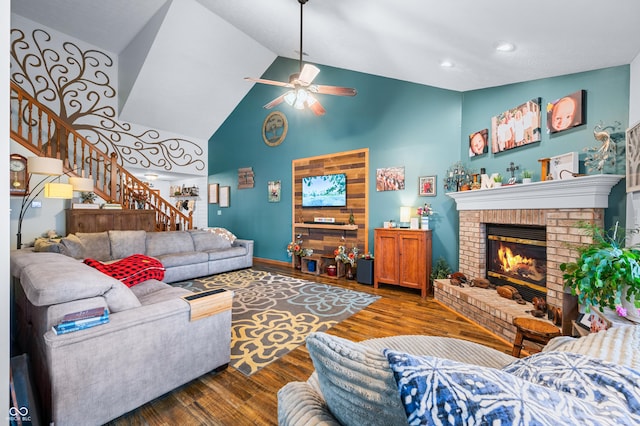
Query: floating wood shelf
x,y
326,226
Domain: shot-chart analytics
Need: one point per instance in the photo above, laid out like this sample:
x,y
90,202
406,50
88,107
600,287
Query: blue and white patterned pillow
x,y
608,386
437,391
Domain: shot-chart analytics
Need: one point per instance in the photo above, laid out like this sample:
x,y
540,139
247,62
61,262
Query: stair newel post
x,y
113,188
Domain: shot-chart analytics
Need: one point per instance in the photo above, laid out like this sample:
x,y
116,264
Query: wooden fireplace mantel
x,y
580,192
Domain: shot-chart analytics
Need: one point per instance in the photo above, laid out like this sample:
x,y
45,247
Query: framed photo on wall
x,y
479,143
225,194
566,112
274,191
213,193
427,186
633,158
516,127
390,179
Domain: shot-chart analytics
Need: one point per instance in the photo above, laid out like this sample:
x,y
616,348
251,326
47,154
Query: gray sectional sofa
x,y
184,254
149,346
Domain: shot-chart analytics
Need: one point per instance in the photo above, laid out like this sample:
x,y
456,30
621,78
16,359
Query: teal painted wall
x,y
607,101
422,128
402,124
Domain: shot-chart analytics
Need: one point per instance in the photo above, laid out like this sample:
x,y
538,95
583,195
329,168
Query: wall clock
x,y
18,175
274,128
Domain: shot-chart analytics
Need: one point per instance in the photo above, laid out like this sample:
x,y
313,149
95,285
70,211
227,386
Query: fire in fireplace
x,y
517,256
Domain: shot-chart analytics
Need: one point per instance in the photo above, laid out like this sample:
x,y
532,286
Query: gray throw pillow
x,y
120,298
72,247
356,382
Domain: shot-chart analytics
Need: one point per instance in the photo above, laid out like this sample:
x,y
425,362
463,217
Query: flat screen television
x,y
324,191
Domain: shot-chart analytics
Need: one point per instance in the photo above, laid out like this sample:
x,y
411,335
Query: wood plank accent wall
x,y
355,164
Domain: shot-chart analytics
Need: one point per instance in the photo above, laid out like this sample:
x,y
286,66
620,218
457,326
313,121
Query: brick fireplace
x,y
555,205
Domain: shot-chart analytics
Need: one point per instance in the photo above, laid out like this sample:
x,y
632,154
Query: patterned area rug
x,y
273,314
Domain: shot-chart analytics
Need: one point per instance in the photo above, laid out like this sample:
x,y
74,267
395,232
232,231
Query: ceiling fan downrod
x,y
302,3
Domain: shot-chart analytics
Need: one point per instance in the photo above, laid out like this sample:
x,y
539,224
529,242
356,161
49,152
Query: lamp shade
x,y
405,214
58,190
44,166
81,184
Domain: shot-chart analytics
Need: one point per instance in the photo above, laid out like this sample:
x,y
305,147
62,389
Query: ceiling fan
x,y
302,91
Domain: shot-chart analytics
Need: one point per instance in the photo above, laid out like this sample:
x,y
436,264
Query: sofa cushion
x,y
203,241
356,382
226,253
82,245
161,243
96,245
154,291
131,270
603,384
436,391
126,243
182,259
71,281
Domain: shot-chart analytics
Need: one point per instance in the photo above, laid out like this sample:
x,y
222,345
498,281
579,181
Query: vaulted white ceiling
x,y
183,61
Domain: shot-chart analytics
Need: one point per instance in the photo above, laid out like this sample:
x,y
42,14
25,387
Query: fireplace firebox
x,y
517,256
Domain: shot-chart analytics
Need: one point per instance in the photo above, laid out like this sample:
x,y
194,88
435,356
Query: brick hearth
x,y
557,206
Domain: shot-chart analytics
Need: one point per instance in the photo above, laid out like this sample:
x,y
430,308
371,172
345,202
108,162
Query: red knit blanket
x,y
131,270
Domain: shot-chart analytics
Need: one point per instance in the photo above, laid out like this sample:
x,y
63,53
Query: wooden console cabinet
x,y
403,258
99,220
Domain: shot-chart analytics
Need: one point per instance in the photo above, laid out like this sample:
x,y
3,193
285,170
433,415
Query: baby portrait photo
x,y
478,143
566,112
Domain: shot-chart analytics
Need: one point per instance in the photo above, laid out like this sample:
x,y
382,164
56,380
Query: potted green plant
x,y
526,176
497,180
88,197
441,269
606,274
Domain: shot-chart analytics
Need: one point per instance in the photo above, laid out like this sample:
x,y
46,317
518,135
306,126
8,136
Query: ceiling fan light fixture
x,y
300,96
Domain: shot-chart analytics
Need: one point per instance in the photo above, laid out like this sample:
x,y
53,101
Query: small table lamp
x,y
405,216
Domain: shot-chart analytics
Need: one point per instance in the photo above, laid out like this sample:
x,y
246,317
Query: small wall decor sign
x,y
274,191
245,178
213,193
224,195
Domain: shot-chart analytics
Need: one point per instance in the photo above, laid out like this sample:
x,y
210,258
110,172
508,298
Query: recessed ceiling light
x,y
446,64
505,46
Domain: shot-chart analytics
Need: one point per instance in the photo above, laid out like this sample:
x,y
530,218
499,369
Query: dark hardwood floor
x,y
231,398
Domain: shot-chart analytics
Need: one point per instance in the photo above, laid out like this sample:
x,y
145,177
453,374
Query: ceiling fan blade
x,y
271,82
276,101
315,106
308,73
332,90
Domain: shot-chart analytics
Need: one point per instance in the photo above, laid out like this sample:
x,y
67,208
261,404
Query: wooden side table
x,y
534,330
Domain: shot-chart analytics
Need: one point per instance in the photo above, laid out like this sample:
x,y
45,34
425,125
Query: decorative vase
x,y
424,222
349,271
632,312
297,261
